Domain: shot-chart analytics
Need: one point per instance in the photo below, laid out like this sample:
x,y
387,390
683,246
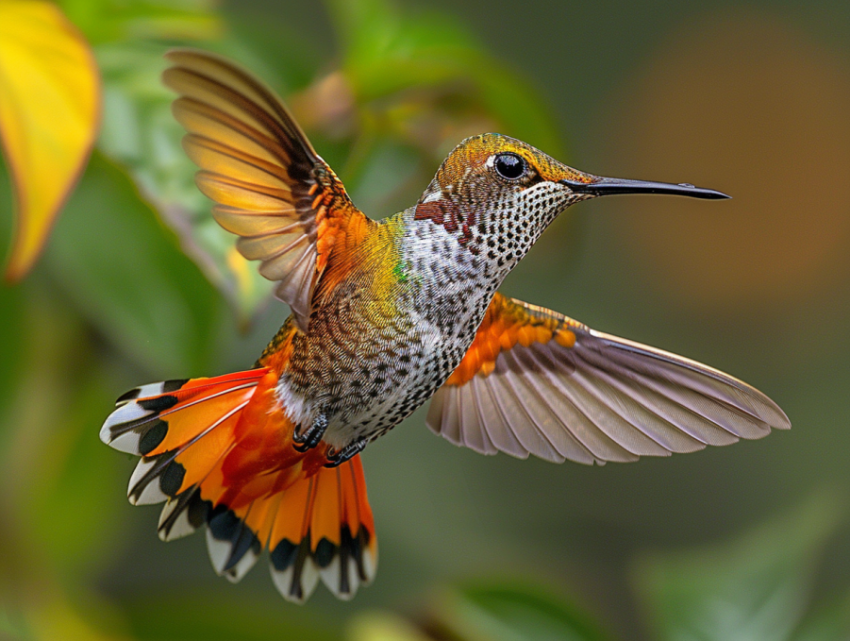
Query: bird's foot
x,y
312,436
350,450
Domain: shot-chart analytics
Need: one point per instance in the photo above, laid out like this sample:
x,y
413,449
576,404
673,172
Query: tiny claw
x,y
352,449
312,436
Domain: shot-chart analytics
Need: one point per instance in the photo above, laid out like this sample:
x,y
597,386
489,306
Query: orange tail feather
x,y
219,452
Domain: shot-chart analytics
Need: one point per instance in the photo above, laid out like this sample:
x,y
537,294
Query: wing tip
x,y
782,420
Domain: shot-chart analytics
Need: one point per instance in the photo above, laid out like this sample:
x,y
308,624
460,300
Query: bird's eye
x,y
510,166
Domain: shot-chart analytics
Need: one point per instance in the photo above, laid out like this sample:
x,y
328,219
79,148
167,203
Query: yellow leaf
x,y
49,113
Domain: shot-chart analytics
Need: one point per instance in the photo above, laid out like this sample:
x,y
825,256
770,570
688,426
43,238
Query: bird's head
x,y
497,194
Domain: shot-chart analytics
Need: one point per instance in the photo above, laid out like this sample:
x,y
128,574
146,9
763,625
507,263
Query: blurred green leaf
x,y
11,309
12,624
110,20
286,52
127,276
59,491
414,83
754,588
74,505
389,54
140,133
227,617
11,331
510,613
830,622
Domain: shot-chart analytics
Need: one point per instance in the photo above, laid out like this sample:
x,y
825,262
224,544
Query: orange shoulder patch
x,y
505,324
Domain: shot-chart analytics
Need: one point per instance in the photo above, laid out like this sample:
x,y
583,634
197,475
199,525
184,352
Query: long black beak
x,y
610,186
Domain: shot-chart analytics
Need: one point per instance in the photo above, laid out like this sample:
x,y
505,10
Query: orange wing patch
x,y
505,324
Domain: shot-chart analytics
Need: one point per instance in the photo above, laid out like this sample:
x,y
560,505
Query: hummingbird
x,y
386,316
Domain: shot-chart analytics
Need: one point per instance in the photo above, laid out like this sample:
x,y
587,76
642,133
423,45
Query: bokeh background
x,y
742,543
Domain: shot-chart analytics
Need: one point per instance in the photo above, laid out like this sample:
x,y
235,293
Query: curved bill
x,y
611,186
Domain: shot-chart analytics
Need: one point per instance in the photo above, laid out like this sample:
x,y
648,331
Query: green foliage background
x,y
139,284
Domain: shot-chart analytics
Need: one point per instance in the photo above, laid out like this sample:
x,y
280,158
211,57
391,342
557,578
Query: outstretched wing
x,y
537,382
271,188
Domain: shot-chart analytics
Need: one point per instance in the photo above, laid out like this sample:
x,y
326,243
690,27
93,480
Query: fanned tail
x,y
180,428
336,537
219,452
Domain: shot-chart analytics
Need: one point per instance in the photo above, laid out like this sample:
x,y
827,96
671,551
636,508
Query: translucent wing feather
x,y
537,382
271,188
